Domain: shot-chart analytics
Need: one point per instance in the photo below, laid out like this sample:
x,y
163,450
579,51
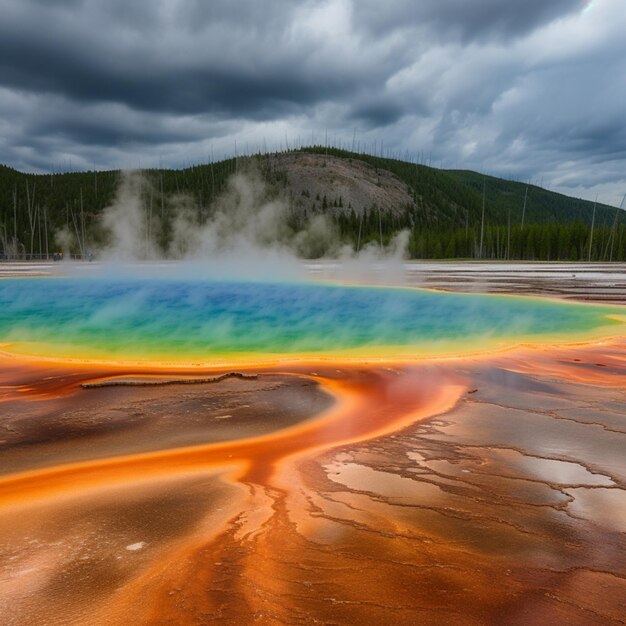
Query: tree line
x,y
455,214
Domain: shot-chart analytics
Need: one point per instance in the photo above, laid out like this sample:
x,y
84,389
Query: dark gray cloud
x,y
377,112
527,89
469,20
186,61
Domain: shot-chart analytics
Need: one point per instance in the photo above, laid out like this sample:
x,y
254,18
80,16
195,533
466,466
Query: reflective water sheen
x,y
151,319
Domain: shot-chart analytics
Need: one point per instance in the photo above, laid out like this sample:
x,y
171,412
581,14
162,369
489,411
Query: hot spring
x,y
212,321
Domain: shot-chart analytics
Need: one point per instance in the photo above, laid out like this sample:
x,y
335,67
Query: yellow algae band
x,y
238,322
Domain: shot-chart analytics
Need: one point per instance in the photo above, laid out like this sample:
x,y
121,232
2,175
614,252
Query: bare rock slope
x,y
339,185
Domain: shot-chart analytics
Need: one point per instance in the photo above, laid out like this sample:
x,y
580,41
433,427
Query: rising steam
x,y
247,232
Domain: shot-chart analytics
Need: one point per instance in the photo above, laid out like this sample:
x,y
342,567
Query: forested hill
x,y
369,198
449,195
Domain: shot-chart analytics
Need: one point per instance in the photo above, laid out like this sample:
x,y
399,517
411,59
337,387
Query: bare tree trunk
x,y
326,142
593,221
15,219
610,240
613,229
482,227
508,237
38,212
213,173
30,205
497,242
82,222
45,225
524,207
150,214
77,231
162,201
4,240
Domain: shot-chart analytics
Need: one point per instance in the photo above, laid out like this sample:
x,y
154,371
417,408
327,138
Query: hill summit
x,y
367,199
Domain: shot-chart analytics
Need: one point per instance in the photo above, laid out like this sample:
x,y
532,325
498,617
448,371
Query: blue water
x,y
150,318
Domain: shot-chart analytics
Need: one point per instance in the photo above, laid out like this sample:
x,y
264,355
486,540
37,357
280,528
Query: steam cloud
x,y
249,233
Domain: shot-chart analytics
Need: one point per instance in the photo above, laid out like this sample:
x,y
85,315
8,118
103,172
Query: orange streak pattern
x,y
290,546
368,405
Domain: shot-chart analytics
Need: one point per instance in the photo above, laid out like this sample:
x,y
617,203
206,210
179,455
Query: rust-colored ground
x,y
469,491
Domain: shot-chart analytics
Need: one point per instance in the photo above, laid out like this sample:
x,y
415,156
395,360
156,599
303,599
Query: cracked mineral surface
x,y
469,490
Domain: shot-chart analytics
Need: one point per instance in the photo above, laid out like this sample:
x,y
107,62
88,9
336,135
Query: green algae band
x,y
184,320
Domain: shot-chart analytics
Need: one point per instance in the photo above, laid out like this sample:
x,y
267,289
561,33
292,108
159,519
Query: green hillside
x,y
444,220
542,206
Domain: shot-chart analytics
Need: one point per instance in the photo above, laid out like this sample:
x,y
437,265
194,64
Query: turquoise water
x,y
149,319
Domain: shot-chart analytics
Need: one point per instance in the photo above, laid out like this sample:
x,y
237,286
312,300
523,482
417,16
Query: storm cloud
x,y
529,90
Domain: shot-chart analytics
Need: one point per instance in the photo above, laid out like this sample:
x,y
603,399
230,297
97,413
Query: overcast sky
x,y
527,90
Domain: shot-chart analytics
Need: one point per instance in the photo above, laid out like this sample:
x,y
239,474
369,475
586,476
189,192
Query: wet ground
x,y
585,282
462,491
471,491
